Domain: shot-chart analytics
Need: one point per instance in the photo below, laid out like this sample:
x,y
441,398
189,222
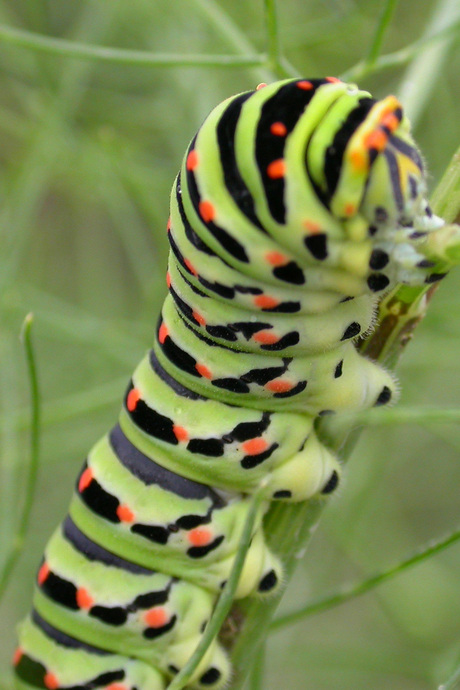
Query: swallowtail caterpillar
x,y
296,207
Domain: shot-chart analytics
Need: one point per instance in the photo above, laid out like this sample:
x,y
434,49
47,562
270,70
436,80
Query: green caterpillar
x,y
297,206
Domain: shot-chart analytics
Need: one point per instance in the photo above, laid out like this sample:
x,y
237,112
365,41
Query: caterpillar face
x,y
296,206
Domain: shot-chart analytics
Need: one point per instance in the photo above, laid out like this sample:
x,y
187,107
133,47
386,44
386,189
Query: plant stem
x,y
64,48
424,72
225,600
31,477
381,28
399,58
272,40
365,586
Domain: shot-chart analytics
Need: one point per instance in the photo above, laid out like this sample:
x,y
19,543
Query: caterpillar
x,y
297,206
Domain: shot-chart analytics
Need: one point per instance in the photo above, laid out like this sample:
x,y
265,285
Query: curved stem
x,y
83,51
31,478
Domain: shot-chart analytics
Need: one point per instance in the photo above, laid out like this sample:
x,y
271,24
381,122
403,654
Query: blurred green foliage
x,y
88,152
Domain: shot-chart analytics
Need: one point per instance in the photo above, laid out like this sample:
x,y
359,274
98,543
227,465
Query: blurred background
x,y
88,153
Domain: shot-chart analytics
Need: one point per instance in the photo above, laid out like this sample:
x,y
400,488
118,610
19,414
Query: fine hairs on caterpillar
x,y
298,205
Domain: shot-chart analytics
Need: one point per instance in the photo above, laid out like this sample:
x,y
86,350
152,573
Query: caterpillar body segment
x,y
296,208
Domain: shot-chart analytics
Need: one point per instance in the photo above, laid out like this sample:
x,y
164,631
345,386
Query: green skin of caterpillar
x,y
227,350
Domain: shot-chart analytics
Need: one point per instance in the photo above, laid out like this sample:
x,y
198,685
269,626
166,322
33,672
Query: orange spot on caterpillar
x,y
359,161
376,140
276,258
180,433
201,320
163,333
192,160
85,479
43,573
265,302
207,211
262,85
199,536
125,514
279,129
156,617
304,85
254,446
50,681
168,224
203,371
117,686
276,169
168,279
311,226
266,337
132,399
84,599
333,80
349,209
390,121
279,386
17,656
190,267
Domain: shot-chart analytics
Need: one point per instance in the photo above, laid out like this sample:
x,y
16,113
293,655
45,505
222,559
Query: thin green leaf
x,y
64,48
225,600
30,478
366,585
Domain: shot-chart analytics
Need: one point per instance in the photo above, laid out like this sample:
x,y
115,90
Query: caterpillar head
x,y
372,167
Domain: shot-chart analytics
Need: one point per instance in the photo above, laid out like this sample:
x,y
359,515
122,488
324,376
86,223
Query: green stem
x,y
425,71
381,28
446,197
399,415
273,42
138,58
401,57
257,676
225,600
31,477
365,586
